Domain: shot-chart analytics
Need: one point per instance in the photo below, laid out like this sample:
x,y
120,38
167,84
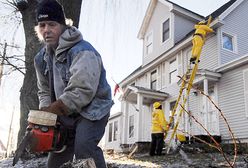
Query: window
x,y
173,71
149,43
131,126
115,130
154,80
110,132
166,30
172,104
227,42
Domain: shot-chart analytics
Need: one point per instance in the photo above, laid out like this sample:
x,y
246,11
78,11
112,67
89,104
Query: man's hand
x,y
57,107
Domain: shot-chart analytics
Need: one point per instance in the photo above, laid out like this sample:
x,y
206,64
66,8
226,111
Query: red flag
x,y
116,89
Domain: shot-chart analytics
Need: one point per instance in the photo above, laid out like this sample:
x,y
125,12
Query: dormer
x,y
164,25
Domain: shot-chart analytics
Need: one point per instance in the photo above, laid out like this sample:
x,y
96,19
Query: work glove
x,y
57,107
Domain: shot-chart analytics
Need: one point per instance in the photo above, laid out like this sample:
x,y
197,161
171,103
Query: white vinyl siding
x,y
160,14
182,27
235,24
232,102
245,73
209,55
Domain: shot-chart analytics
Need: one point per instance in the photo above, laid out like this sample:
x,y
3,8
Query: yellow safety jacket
x,y
159,124
202,29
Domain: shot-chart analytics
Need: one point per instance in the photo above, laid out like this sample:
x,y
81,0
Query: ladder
x,y
188,85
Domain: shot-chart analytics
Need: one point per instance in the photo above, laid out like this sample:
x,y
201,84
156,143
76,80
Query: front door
x,y
213,117
212,112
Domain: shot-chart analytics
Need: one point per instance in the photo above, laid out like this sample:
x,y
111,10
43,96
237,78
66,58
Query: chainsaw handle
x,y
61,150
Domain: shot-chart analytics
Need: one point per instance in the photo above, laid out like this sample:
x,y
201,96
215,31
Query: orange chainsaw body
x,y
44,138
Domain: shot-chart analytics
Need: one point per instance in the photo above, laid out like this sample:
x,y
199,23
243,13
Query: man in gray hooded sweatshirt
x,y
72,84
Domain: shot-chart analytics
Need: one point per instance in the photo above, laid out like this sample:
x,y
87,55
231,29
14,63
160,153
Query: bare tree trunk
x,y
72,10
28,96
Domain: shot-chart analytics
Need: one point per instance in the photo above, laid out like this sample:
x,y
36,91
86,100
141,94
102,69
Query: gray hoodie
x,y
79,78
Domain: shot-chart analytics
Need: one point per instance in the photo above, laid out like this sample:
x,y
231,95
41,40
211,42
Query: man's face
x,y
50,31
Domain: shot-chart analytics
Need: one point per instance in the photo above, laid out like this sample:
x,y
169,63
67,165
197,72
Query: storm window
x,y
149,43
227,42
166,30
115,130
131,126
110,132
173,71
172,104
154,80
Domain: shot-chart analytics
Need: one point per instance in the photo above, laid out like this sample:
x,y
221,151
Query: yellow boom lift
x,y
201,30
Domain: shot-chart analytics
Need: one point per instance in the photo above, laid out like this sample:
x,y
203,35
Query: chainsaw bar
x,y
24,143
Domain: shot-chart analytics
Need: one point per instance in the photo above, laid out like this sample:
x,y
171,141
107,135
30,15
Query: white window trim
x,y
176,60
109,132
245,92
234,41
147,43
161,31
115,121
156,69
113,131
128,135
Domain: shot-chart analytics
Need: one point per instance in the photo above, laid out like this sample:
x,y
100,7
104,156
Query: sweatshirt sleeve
x,y
82,86
43,88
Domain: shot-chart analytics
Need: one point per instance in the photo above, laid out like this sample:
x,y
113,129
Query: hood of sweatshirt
x,y
68,39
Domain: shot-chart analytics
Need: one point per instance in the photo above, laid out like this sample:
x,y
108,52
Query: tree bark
x,y
28,95
72,10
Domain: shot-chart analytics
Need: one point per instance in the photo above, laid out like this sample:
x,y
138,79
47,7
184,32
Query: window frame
x,y
172,71
115,130
153,81
233,40
131,127
149,43
110,136
170,115
165,31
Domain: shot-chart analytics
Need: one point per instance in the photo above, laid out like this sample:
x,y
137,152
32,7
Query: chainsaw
x,y
42,135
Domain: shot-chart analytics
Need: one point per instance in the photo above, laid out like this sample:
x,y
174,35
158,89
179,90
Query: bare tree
x,y
15,62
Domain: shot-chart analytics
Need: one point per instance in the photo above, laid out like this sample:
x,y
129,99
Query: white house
x,y
166,32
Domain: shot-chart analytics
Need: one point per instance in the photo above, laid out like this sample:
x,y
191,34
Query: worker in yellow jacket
x,y
159,128
201,30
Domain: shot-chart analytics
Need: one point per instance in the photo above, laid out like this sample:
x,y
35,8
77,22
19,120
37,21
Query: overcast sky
x,y
111,26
